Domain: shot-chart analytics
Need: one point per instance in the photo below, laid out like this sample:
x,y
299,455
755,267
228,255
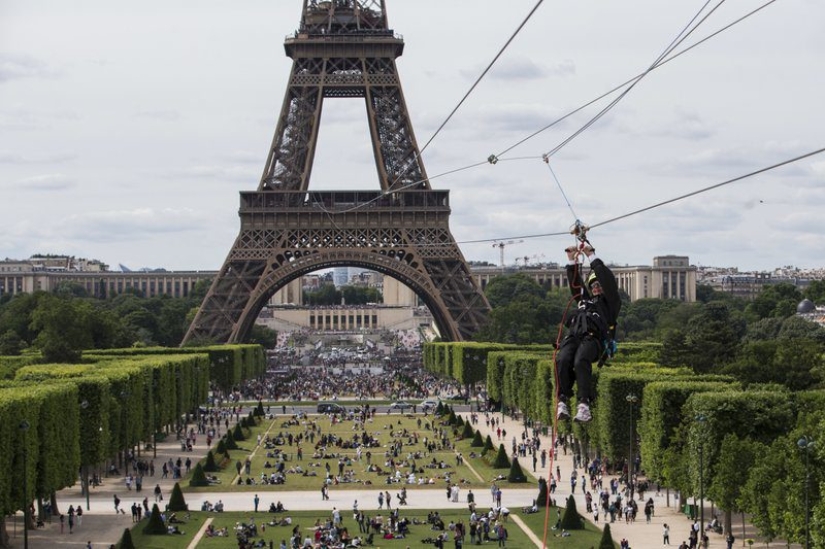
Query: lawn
x,y
306,521
400,444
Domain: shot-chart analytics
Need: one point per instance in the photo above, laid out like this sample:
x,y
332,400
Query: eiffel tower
x,y
343,49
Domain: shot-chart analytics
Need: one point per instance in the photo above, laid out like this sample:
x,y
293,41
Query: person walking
x,y
665,534
256,500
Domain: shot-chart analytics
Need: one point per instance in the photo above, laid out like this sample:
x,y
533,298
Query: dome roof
x,y
805,306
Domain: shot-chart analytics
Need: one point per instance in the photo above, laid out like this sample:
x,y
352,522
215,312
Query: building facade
x,y
670,277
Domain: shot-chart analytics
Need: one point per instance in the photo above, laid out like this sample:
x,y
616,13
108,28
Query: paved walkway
x,y
640,534
103,527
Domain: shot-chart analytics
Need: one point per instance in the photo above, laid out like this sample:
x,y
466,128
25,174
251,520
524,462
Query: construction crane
x,y
500,244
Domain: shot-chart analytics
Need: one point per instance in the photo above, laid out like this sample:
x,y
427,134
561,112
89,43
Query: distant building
x,y
670,277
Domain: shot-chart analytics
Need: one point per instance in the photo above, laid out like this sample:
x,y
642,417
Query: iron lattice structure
x,y
343,49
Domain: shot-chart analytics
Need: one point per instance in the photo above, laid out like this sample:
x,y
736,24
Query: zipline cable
x,y
653,206
629,81
681,37
472,88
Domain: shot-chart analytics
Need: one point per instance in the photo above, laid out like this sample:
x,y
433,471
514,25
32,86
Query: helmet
x,y
591,279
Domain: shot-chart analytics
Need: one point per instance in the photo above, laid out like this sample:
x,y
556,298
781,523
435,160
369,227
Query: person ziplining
x,y
591,329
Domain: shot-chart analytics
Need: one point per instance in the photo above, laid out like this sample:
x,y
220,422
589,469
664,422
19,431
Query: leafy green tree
x,y
778,300
801,363
816,291
262,335
63,328
16,315
639,320
796,327
360,295
325,295
725,488
11,344
713,337
763,329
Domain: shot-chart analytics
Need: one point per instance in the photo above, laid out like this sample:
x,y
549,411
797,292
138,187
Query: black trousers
x,y
574,363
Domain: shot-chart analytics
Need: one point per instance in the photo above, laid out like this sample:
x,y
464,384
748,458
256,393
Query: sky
x,y
127,129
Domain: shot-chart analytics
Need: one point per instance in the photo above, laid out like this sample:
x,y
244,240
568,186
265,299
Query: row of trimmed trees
x,y
742,443
57,419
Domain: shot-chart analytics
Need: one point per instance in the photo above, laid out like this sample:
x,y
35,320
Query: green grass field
x,y
516,538
475,473
386,429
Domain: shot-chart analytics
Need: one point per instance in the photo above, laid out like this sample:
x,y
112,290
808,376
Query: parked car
x,y
331,408
401,406
428,405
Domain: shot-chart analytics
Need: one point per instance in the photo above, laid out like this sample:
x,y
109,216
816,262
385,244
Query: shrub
x,y
478,442
221,447
198,476
488,445
607,539
516,474
237,434
155,526
176,500
126,540
502,461
468,430
209,464
571,520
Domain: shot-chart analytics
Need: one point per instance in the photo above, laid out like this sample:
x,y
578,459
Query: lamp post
x,y
701,419
24,427
631,399
805,444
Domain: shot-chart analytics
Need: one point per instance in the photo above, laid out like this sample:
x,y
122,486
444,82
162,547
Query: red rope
x,y
554,432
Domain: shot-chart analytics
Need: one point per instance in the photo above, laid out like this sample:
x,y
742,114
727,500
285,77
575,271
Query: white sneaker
x,y
583,413
562,411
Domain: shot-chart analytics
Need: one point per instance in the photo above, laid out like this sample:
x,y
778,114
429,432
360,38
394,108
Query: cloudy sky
x,y
127,129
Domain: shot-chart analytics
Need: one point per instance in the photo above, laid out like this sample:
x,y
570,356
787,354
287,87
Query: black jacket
x,y
595,315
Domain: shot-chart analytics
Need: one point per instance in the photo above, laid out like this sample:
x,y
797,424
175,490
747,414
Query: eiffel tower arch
x,y
342,49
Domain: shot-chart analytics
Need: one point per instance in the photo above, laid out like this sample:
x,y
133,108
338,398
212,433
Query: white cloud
x,y
46,182
158,122
15,67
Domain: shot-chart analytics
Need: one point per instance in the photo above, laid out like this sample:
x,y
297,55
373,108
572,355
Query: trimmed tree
x,y
468,430
176,500
501,461
607,539
126,540
477,442
209,464
571,520
221,447
542,500
488,445
237,433
155,526
516,474
198,477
